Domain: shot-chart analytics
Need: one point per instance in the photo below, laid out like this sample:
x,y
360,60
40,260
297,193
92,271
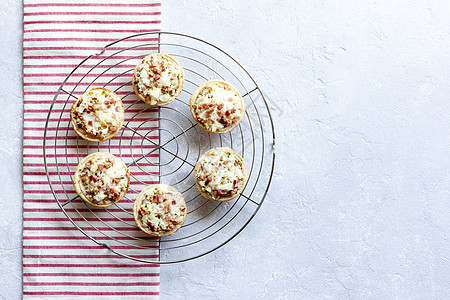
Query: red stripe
x,y
42,200
75,83
91,274
73,75
39,93
67,293
69,101
75,94
136,137
59,228
39,201
77,219
36,110
76,155
75,146
126,238
67,39
70,128
84,48
68,247
94,13
92,265
80,56
67,119
74,165
67,209
84,256
91,22
91,30
91,283
36,182
67,173
47,192
93,4
74,65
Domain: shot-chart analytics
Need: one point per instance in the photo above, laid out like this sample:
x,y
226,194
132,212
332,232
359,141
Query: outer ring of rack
x,y
270,154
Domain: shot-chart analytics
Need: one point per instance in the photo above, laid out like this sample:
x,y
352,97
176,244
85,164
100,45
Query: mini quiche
x,y
159,210
220,174
158,79
217,106
101,179
97,115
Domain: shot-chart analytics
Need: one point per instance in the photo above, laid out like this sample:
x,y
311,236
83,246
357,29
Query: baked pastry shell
x,y
137,205
180,84
81,132
222,199
77,178
197,92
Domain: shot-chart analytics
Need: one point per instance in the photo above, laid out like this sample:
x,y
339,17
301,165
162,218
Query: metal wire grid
x,y
174,137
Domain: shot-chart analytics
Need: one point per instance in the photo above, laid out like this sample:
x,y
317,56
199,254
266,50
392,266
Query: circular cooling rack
x,y
160,145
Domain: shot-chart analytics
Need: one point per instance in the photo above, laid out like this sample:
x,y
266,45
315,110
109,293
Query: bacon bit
x,y
116,180
141,211
234,182
207,105
174,202
157,199
223,121
220,106
227,113
209,111
90,123
157,77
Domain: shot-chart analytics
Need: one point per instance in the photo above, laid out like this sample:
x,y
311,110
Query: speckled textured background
x,y
359,206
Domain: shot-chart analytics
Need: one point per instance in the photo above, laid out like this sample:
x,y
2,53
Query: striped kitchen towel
x,y
59,260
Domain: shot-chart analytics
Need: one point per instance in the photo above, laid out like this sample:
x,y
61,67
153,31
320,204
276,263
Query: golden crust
x,y
197,169
180,82
138,202
77,178
84,134
197,92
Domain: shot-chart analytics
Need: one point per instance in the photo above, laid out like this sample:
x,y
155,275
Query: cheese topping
x,y
218,107
220,173
161,210
104,179
157,79
99,113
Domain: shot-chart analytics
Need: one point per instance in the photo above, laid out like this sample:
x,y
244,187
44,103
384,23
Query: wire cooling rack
x,y
160,145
